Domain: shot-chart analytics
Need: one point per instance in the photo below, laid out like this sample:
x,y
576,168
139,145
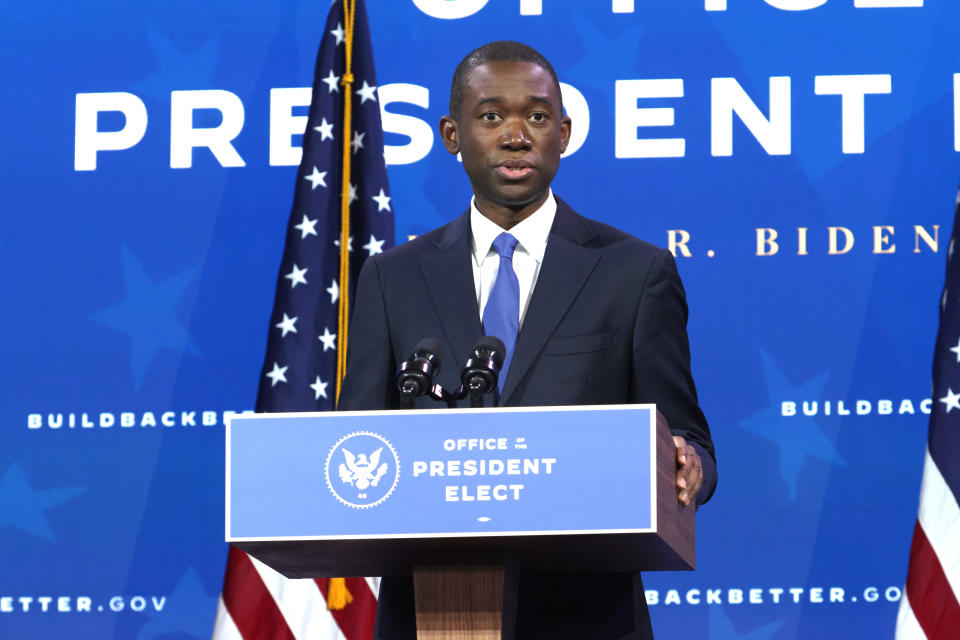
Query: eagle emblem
x,y
371,475
362,471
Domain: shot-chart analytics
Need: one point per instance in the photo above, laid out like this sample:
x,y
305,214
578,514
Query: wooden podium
x,y
301,505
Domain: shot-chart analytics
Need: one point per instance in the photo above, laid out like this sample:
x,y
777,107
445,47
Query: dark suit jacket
x,y
606,325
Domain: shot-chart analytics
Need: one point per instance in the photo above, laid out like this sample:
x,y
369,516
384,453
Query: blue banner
x,y
434,473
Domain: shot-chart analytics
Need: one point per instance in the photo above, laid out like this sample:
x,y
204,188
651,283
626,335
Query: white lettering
x,y
728,97
184,137
852,89
88,140
449,9
417,129
788,408
284,125
629,118
579,111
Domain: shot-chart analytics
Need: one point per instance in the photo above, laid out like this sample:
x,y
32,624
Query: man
x,y
589,314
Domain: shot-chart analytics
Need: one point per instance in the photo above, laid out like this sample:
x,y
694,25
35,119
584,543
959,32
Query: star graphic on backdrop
x,y
334,291
956,350
279,374
374,246
797,437
624,47
333,82
382,200
357,142
317,178
186,611
722,629
177,69
951,400
287,325
336,243
366,92
338,33
296,276
328,339
319,388
307,227
22,506
353,193
148,315
325,129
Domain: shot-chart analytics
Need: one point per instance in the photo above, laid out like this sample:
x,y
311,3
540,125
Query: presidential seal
x,y
362,469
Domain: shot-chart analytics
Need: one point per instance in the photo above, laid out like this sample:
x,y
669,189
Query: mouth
x,y
514,169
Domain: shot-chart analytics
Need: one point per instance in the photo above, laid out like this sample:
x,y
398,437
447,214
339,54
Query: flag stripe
x,y
251,607
359,615
907,626
223,626
940,518
937,612
301,603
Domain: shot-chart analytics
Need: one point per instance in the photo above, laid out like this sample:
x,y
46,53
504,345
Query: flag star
x,y
307,227
353,193
374,246
336,243
382,200
317,178
334,291
357,142
956,350
328,339
287,325
952,400
319,388
366,92
296,276
333,82
277,375
325,129
338,33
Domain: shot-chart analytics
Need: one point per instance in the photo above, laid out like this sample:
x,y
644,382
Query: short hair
x,y
500,51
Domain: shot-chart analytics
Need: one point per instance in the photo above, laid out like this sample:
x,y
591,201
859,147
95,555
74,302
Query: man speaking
x,y
589,315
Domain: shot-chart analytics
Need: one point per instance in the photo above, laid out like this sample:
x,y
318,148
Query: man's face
x,y
510,135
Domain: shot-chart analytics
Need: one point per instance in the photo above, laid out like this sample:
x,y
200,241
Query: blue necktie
x,y
501,316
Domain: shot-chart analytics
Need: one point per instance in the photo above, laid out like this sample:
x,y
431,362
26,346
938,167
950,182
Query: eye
x,y
490,116
538,116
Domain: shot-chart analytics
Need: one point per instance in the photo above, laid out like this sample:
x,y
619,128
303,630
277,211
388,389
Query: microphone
x,y
415,376
480,374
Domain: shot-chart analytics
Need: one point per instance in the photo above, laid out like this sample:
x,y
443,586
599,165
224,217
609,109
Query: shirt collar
x,y
531,233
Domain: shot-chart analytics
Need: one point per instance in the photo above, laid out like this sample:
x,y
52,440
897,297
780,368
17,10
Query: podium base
x,y
465,601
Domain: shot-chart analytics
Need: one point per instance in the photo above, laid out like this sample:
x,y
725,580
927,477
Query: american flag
x,y
930,607
300,366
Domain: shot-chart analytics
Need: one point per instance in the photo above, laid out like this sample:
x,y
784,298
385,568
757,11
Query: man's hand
x,y
689,471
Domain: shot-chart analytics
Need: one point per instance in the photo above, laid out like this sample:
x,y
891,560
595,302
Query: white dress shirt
x,y
531,235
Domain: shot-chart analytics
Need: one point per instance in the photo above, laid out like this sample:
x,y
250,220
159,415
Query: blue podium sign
x,y
441,473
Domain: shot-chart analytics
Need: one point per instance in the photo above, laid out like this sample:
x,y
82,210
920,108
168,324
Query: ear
x,y
565,124
450,134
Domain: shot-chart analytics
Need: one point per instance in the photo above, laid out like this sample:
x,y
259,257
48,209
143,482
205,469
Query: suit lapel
x,y
567,264
449,277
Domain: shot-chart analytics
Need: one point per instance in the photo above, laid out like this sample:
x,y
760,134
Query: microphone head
x,y
430,349
491,347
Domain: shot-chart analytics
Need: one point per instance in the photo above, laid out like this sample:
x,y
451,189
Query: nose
x,y
514,134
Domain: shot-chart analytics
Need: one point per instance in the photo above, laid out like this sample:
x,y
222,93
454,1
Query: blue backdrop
x,y
800,156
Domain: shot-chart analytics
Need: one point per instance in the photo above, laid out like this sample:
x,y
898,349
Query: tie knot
x,y
504,245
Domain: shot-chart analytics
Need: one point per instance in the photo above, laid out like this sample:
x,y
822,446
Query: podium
x,y
462,499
